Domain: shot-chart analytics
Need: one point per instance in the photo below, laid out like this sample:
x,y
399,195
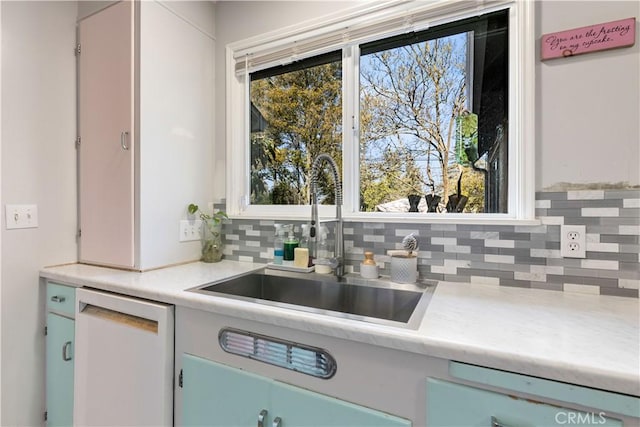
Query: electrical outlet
x,y
573,241
190,230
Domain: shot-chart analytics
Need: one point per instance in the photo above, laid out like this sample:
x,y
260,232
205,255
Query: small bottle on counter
x,y
302,252
301,257
368,267
278,245
290,244
324,252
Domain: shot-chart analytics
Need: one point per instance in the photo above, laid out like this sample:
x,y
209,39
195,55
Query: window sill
x,y
408,218
454,219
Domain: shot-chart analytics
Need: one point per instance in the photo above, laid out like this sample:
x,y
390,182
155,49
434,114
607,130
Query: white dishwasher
x,y
123,361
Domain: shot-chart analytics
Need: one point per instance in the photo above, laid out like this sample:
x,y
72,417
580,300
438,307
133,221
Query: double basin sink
x,y
372,301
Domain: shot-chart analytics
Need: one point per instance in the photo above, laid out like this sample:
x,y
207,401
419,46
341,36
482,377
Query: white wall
x,y
88,7
197,13
587,106
0,206
200,14
38,166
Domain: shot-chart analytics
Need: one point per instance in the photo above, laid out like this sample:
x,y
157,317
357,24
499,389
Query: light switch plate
x,y
21,216
190,230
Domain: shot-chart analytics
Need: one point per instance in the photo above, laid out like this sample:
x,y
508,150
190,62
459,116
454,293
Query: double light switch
x,y
21,216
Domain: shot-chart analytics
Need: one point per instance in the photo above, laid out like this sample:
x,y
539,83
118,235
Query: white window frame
x,y
337,31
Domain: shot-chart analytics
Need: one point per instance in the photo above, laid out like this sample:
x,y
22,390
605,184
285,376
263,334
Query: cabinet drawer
x,y
451,404
591,398
61,298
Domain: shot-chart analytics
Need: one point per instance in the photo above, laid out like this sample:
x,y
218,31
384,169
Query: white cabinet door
x,y
106,129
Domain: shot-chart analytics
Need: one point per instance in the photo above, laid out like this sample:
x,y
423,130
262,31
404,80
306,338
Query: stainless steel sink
x,y
375,302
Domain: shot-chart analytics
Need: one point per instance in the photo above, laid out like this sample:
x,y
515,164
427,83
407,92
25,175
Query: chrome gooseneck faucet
x,y
338,262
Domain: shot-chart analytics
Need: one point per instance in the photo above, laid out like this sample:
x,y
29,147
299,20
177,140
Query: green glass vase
x,y
212,241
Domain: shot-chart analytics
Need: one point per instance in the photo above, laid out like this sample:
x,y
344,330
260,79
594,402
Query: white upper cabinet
x,y
106,127
146,128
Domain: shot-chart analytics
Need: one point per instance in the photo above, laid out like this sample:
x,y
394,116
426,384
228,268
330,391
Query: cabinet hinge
x,y
78,140
180,379
77,50
46,330
45,415
79,233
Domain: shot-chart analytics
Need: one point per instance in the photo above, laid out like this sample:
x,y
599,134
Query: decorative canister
x,y
368,267
404,268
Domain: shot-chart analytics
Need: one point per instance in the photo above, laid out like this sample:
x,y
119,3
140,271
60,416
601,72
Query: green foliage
x,y
217,217
466,138
303,110
394,176
473,187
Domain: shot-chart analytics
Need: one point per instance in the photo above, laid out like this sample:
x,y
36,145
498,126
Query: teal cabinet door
x,y
219,396
457,405
59,374
299,407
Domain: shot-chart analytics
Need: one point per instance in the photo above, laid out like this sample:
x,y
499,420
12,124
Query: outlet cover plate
x,y
573,241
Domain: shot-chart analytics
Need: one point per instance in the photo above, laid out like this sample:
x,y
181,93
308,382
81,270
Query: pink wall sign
x,y
589,39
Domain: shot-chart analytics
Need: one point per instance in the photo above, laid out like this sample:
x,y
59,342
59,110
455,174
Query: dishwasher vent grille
x,y
286,354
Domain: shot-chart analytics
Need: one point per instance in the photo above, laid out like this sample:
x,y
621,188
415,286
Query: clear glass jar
x,y
212,242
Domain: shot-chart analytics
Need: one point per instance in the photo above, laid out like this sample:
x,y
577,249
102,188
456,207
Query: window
x,y
417,93
296,114
425,123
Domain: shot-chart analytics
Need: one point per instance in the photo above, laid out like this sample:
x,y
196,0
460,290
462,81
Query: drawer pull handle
x,y
57,298
66,351
276,422
261,416
496,423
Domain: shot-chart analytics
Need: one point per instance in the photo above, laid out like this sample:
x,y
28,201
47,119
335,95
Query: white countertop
x,y
588,340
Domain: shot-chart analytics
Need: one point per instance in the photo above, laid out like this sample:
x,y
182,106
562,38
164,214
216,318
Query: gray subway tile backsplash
x,y
517,255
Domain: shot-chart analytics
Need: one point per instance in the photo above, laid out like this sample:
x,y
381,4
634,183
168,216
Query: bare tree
x,y
410,97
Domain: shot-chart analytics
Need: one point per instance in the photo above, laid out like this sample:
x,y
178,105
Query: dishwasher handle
x,y
114,316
